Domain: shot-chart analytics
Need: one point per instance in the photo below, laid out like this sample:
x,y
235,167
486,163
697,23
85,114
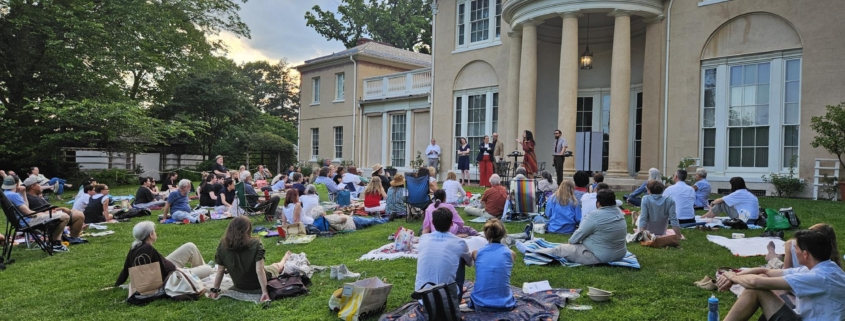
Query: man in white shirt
x,y
819,287
82,201
433,154
684,197
442,255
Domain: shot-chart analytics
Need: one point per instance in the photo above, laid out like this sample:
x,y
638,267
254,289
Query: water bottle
x,y
713,303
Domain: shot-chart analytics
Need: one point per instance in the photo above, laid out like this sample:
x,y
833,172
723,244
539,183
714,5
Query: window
x,y
584,115
495,114
791,111
338,142
339,81
315,142
748,116
638,133
605,130
485,27
397,140
315,82
476,116
708,119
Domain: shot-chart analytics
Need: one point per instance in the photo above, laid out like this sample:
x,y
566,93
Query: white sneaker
x,y
343,273
333,274
60,248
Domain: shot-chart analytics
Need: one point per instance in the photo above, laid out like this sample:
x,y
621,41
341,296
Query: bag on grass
x,y
363,298
143,299
440,301
736,224
343,198
183,285
321,223
794,222
295,229
287,285
403,239
132,213
145,276
776,221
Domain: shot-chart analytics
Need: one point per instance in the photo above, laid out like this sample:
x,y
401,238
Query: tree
x,y
273,89
404,24
830,131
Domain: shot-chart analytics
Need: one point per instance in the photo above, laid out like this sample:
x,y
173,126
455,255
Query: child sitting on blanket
x,y
493,264
457,227
373,195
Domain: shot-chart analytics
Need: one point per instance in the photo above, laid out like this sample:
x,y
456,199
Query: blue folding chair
x,y
418,197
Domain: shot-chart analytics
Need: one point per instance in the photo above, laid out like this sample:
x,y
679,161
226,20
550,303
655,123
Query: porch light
x,y
586,60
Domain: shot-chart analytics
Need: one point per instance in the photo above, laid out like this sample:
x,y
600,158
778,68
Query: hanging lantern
x,y
586,60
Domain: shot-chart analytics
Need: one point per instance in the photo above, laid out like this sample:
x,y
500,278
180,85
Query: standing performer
x,y
485,165
529,161
560,149
463,161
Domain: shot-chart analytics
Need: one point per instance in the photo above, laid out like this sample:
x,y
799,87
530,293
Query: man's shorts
x,y
41,218
783,314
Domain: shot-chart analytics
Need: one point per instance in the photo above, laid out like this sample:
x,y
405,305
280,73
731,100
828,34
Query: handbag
x,y
287,285
776,221
363,298
144,276
343,198
183,285
440,301
794,222
295,229
403,239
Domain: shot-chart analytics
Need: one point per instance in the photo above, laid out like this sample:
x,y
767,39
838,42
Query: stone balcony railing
x,y
409,83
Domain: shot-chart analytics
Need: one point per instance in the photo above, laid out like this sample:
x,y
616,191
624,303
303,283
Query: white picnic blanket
x,y
751,246
387,252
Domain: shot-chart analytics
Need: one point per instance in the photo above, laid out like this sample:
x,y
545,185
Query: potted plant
x,y
830,134
390,170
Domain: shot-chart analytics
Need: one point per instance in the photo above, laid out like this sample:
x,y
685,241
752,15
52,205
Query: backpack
x,y
288,285
321,223
794,222
184,286
441,301
132,213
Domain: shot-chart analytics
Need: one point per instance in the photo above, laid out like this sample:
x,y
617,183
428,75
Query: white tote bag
x,y
182,285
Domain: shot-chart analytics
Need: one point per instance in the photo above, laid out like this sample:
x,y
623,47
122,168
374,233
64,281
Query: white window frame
x,y
494,38
338,142
315,91
315,143
339,90
777,92
488,92
403,141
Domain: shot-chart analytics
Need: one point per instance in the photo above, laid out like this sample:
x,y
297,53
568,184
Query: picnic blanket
x,y
112,197
541,305
714,222
388,251
533,258
226,291
299,239
750,246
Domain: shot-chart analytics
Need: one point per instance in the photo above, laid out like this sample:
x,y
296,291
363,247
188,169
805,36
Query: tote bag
x,y
144,276
363,298
184,285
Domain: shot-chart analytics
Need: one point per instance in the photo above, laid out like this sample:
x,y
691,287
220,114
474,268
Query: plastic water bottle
x,y
713,304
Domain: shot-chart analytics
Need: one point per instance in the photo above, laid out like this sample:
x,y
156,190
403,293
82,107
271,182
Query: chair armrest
x,y
44,208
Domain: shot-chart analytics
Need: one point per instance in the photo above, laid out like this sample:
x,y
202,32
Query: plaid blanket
x,y
533,258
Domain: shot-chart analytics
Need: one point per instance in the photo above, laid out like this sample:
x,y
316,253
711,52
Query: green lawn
x,y
71,285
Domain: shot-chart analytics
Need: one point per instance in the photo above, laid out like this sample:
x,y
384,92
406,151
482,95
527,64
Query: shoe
x,y
333,273
60,248
709,286
705,280
391,217
779,234
529,230
343,273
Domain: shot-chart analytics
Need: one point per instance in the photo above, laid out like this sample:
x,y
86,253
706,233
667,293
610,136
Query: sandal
x,y
707,283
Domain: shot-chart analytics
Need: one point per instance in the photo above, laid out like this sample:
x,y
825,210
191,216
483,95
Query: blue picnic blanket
x,y
113,198
533,258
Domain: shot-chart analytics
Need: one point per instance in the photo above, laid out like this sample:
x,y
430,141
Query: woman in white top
x,y
310,200
546,183
453,188
739,202
293,210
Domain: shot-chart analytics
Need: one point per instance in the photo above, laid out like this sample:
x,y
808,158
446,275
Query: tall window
x,y
748,116
638,133
476,115
584,115
605,129
397,140
315,83
339,82
495,114
791,111
708,119
484,20
338,142
315,142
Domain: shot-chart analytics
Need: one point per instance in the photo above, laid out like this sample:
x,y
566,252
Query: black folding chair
x,y
14,223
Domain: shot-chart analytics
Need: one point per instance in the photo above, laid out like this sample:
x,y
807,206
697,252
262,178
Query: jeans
x,y
362,222
192,217
61,189
460,277
636,201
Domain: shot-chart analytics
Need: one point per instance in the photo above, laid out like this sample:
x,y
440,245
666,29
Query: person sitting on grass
x,y
97,210
85,182
337,177
373,196
443,257
208,191
597,179
170,183
684,197
440,203
819,287
563,210
310,200
292,210
143,252
634,198
581,180
242,256
144,197
454,190
492,201
658,211
790,259
16,196
227,195
378,171
493,265
599,239
177,206
81,202
395,205
34,199
740,202
278,184
702,190
546,184
325,180
296,183
218,169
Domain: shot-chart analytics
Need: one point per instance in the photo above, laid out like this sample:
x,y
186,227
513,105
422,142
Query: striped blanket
x,y
533,258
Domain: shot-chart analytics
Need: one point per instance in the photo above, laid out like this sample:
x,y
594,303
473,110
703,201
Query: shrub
x,y
786,185
114,177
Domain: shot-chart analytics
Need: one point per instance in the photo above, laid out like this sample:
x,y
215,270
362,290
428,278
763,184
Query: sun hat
x,y
377,167
32,180
398,180
9,182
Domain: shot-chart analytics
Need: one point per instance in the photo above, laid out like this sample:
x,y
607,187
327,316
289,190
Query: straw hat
x,y
377,167
398,180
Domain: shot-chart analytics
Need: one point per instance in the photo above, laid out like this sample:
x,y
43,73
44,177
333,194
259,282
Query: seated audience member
x,y
440,202
296,183
278,184
177,206
88,181
702,190
227,194
97,210
684,197
546,184
493,265
378,171
323,179
262,174
521,173
453,189
169,184
739,202
11,189
291,170
790,259
442,255
58,185
599,239
218,169
242,256
292,210
142,250
343,223
819,287
374,194
658,211
144,197
423,172
252,197
339,172
352,178
34,199
310,200
432,176
597,178
395,204
634,198
81,202
208,191
492,201
241,170
581,180
563,210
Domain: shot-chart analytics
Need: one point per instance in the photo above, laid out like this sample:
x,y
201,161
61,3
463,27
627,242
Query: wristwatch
x,y
214,290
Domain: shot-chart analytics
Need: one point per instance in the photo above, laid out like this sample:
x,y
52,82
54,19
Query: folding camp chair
x,y
523,193
418,198
250,205
323,192
14,223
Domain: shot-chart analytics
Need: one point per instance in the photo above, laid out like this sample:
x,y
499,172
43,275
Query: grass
x,y
71,286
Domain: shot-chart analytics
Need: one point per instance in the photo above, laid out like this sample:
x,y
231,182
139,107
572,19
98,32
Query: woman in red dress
x,y
485,164
529,161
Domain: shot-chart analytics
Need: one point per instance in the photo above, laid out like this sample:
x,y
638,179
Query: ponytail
x,y
436,203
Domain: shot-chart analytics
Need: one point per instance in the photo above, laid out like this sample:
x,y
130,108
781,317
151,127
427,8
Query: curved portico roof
x,y
518,12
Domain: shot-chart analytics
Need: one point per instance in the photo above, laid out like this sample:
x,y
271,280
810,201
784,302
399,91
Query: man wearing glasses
x,y
560,149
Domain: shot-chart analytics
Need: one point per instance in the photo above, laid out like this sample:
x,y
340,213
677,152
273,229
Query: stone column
x,y
511,114
568,85
527,79
652,95
620,94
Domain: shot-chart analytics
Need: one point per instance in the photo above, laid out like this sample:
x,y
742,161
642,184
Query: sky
x,y
278,30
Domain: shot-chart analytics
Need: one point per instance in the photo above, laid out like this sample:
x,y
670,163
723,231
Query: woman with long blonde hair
x,y
563,210
373,196
454,190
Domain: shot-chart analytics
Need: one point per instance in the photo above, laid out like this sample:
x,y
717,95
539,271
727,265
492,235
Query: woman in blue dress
x,y
463,161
